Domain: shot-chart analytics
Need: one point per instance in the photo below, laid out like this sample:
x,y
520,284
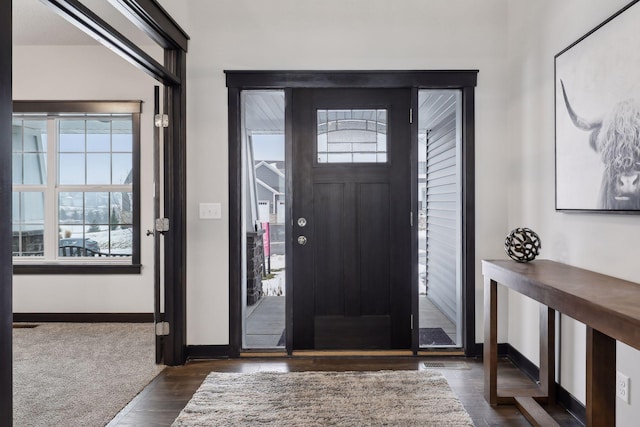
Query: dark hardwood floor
x,y
162,400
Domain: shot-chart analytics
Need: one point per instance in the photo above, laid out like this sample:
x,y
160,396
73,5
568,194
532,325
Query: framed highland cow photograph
x,y
597,118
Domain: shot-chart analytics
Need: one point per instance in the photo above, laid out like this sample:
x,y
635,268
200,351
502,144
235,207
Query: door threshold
x,y
352,353
275,353
339,353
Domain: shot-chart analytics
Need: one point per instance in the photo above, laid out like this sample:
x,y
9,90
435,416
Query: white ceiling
x,y
35,23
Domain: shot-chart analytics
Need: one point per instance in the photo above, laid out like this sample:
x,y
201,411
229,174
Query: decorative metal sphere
x,y
522,244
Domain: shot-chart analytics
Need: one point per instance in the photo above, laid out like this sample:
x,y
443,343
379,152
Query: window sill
x,y
77,269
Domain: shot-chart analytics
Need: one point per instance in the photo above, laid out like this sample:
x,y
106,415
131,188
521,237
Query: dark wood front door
x,y
351,219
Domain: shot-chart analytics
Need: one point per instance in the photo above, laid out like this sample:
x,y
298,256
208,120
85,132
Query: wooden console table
x,y
609,307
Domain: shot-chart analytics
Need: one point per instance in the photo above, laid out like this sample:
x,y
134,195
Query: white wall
x,y
537,31
340,35
88,73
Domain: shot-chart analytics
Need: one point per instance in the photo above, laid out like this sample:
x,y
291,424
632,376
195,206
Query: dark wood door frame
x,y
154,20
151,18
6,272
464,80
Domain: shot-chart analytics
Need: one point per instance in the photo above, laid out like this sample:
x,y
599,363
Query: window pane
x,y
98,168
72,242
98,237
71,169
15,204
35,136
99,221
72,136
122,143
15,241
339,158
28,224
16,164
29,145
122,165
365,158
31,241
70,208
351,136
96,208
121,241
122,138
35,169
16,136
32,208
121,208
70,233
99,135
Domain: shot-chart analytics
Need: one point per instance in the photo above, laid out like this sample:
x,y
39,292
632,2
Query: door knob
x,y
302,240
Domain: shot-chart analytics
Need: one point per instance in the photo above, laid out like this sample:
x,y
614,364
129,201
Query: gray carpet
x,y
78,374
384,398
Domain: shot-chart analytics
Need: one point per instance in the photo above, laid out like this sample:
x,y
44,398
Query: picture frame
x,y
597,118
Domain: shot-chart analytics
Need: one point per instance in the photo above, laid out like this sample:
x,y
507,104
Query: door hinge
x,y
412,322
410,115
161,120
162,329
162,225
411,218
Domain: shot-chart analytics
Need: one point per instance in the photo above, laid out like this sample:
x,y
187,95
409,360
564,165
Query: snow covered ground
x,y
276,285
121,240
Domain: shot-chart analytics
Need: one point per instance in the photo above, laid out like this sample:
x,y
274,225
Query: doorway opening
x,y
344,218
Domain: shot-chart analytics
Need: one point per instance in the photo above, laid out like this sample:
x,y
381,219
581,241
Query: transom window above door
x,y
352,136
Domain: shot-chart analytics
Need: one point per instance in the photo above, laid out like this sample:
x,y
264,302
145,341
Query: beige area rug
x,y
79,374
384,398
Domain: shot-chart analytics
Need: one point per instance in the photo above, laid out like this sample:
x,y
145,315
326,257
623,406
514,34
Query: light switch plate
x,y
210,211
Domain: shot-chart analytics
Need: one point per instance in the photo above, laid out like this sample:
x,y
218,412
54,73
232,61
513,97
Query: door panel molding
x,y
465,80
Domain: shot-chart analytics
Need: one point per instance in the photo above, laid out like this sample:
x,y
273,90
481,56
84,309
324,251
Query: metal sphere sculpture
x,y
522,245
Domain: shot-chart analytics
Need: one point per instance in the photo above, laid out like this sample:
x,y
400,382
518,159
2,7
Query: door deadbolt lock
x,y
302,222
302,240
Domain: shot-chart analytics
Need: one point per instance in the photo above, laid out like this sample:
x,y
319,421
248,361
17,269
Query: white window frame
x,y
54,112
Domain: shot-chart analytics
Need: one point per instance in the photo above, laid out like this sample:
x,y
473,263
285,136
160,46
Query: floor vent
x,y
446,365
24,326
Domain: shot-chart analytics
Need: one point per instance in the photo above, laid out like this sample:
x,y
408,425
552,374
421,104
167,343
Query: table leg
x,y
548,353
601,379
490,349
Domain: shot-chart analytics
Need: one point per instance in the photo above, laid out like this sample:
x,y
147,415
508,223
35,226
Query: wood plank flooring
x,y
161,402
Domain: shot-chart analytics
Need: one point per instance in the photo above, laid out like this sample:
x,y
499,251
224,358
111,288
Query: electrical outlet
x,y
622,386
